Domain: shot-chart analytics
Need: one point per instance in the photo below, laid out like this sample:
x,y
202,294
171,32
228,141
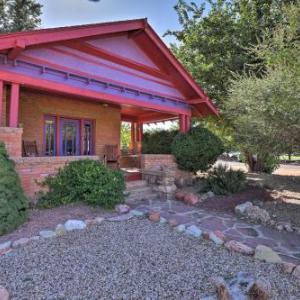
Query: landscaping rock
x,y
210,194
35,238
20,242
222,288
121,218
173,222
137,213
5,245
217,237
4,294
241,208
194,231
154,216
180,228
256,213
287,267
71,225
163,220
122,208
191,199
179,195
60,230
47,234
296,273
99,220
260,290
266,254
239,247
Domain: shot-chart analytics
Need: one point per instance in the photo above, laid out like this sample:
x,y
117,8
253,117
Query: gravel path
x,y
128,260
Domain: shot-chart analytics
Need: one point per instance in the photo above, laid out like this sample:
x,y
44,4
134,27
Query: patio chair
x,y
111,155
30,148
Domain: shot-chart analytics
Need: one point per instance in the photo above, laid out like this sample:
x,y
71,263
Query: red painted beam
x,y
14,105
1,101
95,51
51,35
196,101
48,85
16,50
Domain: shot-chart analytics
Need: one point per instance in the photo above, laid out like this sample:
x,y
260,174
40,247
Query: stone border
x,y
261,252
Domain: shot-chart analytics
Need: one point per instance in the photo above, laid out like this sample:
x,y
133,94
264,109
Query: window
x,y
50,136
87,138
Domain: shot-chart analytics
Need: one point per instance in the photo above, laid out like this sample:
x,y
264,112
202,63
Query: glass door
x,y
69,137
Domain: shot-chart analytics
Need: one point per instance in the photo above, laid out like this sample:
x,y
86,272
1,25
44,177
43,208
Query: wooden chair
x,y
30,148
111,155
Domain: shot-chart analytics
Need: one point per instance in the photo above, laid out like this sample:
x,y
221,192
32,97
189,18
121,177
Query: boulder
x,y
239,247
4,294
173,222
287,267
47,234
256,213
260,290
217,237
266,254
296,273
137,213
191,199
5,245
60,230
179,195
180,228
163,220
241,208
154,216
122,208
19,243
71,225
194,231
222,289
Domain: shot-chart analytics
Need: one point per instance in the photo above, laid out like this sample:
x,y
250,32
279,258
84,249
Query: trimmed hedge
x,y
85,180
158,141
13,203
196,150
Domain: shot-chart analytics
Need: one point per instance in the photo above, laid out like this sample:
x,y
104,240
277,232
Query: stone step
x,y
139,191
145,196
132,185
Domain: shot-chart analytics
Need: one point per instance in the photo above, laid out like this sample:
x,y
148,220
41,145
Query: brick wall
x,y
33,170
34,106
12,137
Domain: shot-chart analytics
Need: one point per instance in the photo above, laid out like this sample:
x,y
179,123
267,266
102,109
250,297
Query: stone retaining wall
x,y
33,170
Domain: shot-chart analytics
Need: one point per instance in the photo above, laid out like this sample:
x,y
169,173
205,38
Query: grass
x,y
293,157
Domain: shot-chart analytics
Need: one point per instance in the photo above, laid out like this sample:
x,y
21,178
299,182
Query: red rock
x,y
179,195
154,216
220,235
205,235
287,267
239,247
191,199
261,290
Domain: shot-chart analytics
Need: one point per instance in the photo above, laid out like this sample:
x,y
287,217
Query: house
x,y
65,92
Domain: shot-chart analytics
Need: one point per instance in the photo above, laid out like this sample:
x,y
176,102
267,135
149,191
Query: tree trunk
x,y
255,164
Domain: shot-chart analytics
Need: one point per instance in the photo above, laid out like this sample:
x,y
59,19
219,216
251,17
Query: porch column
x,y
14,105
140,131
187,123
1,102
132,134
182,123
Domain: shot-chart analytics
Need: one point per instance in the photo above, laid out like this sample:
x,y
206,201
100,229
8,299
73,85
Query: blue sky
x,y
160,13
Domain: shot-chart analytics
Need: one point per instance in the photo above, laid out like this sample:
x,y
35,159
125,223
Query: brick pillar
x,y
1,103
14,105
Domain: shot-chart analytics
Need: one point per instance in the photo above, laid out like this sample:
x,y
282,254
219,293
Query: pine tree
x,y
19,15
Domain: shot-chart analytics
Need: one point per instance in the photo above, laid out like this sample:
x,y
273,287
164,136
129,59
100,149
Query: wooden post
x,y
132,140
1,102
14,105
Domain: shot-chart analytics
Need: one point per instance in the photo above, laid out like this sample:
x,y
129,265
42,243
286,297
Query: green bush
x,y
224,181
85,180
270,163
158,141
196,150
13,203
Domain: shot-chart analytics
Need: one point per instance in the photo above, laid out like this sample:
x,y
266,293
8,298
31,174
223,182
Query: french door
x,y
69,137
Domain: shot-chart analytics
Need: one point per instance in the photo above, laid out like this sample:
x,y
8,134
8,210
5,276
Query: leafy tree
x,y
125,135
214,45
19,15
264,110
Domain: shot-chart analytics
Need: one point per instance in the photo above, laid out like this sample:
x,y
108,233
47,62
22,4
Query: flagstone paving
x,y
286,244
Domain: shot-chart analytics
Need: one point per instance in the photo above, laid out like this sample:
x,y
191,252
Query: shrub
x,y
196,150
224,181
158,141
85,180
13,203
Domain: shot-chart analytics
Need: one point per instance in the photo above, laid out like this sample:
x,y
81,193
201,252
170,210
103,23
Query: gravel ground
x,y
128,260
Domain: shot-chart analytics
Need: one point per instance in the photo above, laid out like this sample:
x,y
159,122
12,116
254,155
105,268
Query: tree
x,y
214,45
264,110
19,15
125,135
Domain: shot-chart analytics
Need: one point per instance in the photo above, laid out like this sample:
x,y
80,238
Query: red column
x,y
132,131
140,125
1,102
182,123
14,105
187,123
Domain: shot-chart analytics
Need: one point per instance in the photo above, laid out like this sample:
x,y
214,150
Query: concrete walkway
x,y
286,244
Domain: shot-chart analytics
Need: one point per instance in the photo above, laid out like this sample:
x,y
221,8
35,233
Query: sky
x,y
160,13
